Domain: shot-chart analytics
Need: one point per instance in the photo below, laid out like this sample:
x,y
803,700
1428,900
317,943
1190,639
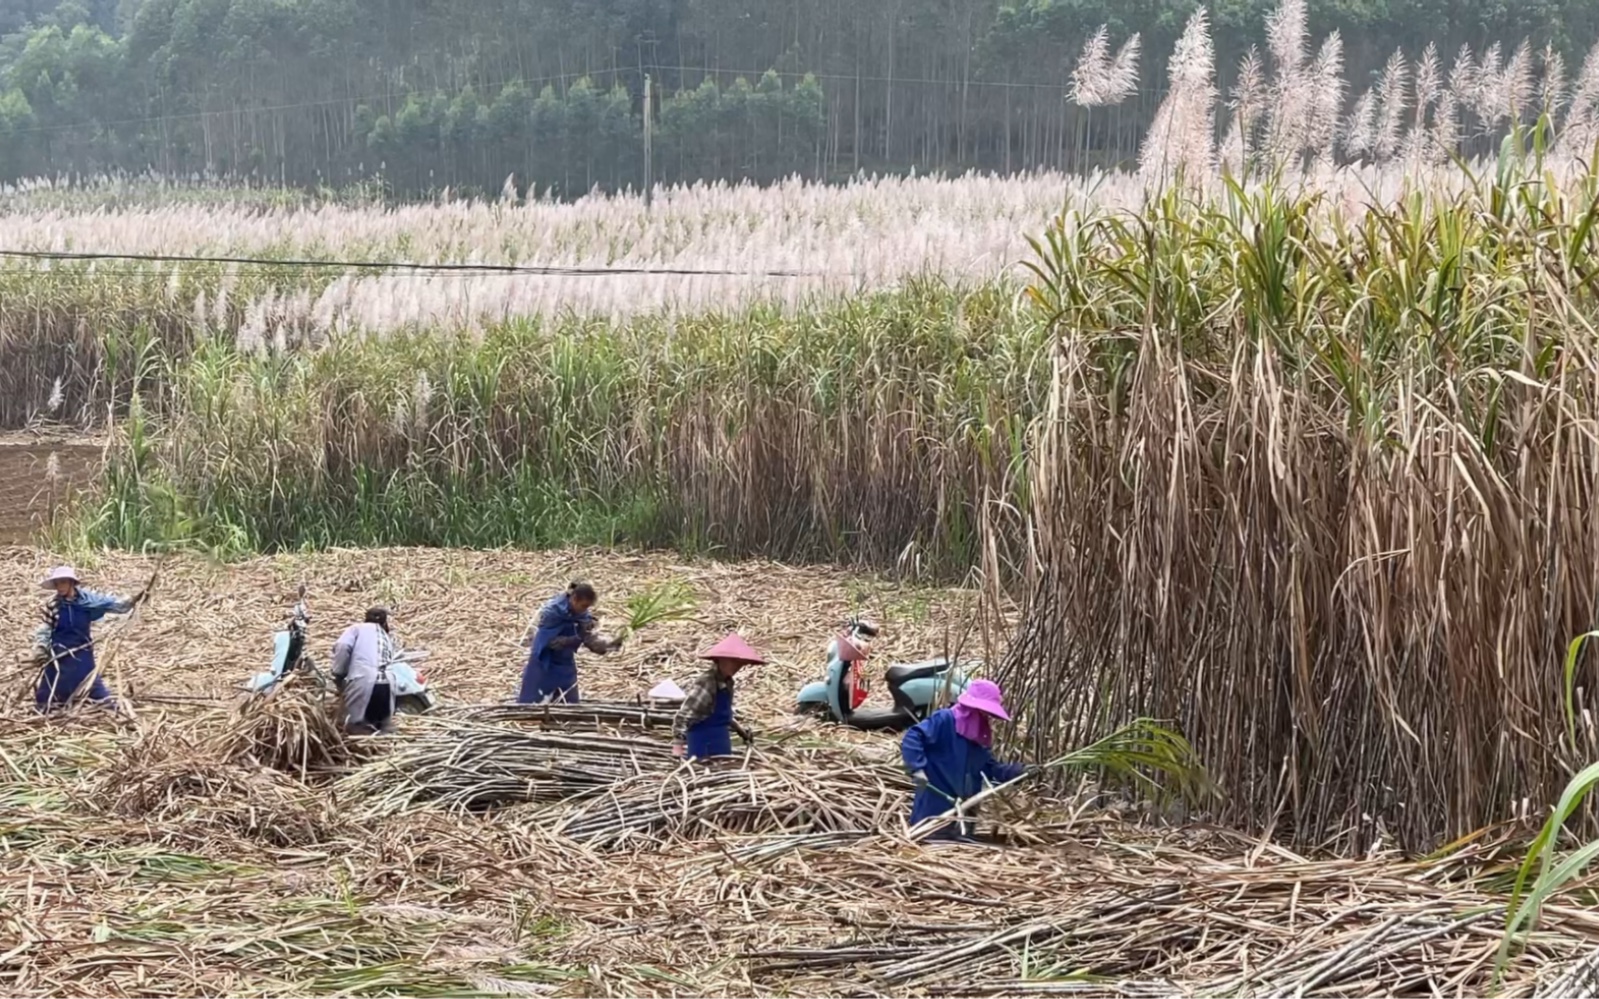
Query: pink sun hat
x,y
734,647
985,696
59,574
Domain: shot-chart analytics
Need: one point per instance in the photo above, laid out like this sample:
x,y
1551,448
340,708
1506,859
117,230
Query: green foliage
x,y
541,434
668,601
1150,755
1527,901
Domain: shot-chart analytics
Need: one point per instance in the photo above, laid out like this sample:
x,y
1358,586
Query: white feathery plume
x,y
56,398
1429,81
1445,130
421,397
1327,103
1581,129
1124,71
1518,86
1360,135
1293,91
400,416
1417,144
1287,34
1391,92
1489,99
1091,77
1463,79
1247,103
1552,86
1181,137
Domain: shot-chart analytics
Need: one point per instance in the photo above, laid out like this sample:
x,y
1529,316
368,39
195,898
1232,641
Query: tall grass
x,y
1321,489
871,431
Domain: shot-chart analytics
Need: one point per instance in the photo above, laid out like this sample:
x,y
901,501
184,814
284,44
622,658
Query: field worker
x,y
947,753
63,647
562,625
360,668
703,723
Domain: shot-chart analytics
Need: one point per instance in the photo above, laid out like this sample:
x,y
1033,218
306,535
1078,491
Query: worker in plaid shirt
x,y
703,724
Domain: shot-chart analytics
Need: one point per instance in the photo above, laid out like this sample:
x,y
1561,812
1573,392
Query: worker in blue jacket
x,y
562,625
948,755
64,647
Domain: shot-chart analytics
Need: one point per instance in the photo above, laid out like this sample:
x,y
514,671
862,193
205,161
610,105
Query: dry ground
x,y
28,490
137,859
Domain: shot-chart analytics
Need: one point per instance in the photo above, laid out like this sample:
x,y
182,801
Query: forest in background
x,y
421,95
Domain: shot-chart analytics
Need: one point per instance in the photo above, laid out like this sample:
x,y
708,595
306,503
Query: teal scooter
x,y
916,689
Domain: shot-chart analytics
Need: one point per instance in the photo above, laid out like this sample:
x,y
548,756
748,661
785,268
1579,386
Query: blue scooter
x,y
916,688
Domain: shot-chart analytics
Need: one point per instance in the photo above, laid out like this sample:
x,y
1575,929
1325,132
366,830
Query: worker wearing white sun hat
x,y
64,647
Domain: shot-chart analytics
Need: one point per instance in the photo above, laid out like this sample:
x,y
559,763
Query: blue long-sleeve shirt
x,y
96,605
954,764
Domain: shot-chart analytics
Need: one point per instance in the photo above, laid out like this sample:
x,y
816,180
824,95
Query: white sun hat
x,y
59,573
666,690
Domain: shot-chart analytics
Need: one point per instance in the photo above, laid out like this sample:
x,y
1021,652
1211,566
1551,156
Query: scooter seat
x,y
880,720
901,672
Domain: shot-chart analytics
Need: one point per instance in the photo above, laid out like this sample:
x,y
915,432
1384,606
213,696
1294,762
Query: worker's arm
x,y
698,703
98,605
600,646
343,649
1000,773
913,747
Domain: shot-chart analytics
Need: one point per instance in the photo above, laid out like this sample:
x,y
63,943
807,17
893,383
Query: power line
x,y
401,265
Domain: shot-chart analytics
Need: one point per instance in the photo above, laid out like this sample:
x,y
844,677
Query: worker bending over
x,y
361,658
948,756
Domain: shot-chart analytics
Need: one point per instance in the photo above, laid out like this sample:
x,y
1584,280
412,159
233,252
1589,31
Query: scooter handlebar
x,y
861,627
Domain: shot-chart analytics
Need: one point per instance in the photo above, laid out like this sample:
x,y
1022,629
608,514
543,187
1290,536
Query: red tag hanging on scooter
x,y
858,691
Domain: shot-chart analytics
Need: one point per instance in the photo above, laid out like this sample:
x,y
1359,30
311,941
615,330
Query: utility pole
x,y
649,172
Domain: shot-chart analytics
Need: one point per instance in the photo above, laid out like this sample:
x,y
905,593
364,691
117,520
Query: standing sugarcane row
x,y
947,753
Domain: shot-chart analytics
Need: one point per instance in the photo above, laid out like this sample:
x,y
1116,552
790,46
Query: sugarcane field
x,y
959,498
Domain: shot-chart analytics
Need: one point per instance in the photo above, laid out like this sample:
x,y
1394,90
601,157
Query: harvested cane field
x,y
197,847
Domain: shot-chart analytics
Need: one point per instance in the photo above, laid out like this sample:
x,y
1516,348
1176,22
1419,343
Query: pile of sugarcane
x,y
626,790
781,794
293,728
633,714
189,787
473,767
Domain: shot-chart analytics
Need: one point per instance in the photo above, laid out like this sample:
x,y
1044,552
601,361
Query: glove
x,y
745,734
919,778
679,750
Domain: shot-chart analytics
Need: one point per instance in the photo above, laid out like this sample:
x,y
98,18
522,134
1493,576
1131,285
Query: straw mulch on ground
x,y
202,848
